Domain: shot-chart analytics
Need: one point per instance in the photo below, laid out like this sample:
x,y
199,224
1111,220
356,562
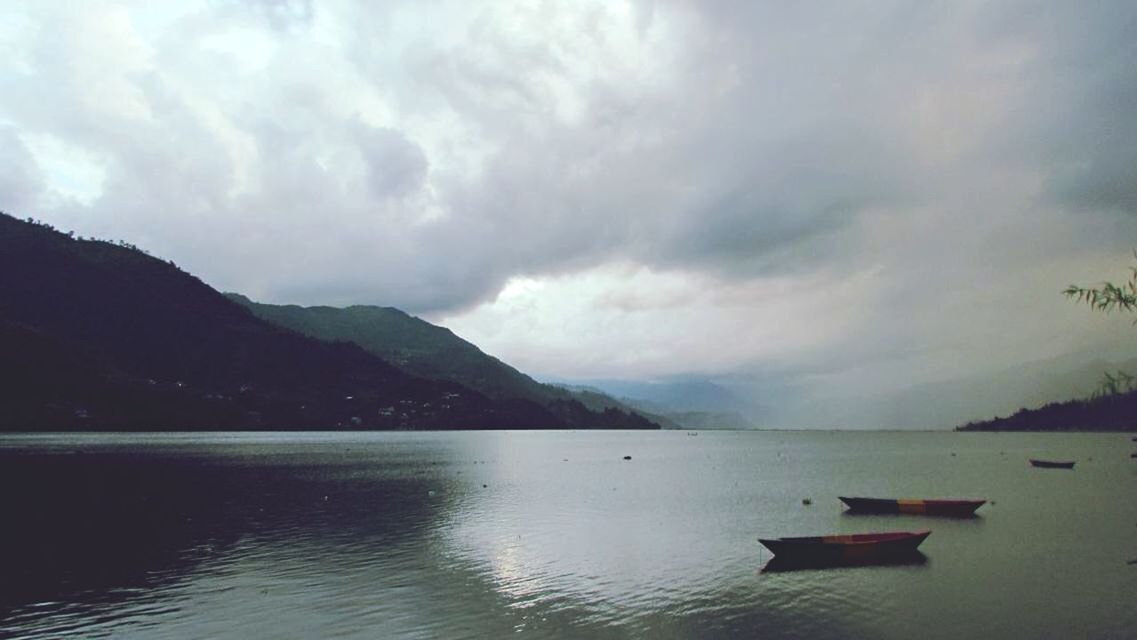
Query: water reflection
x,y
782,565
102,526
546,535
868,515
98,533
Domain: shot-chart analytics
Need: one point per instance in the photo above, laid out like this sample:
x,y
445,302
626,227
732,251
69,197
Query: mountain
x,y
1117,412
101,335
1030,385
427,350
947,403
412,344
775,399
682,403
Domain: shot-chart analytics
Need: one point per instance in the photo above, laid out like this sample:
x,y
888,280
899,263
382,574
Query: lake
x,y
555,535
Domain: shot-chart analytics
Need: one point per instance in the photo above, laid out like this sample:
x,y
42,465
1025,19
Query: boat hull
x,y
951,508
849,547
1051,464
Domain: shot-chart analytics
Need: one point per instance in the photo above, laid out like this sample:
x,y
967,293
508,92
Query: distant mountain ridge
x,y
427,350
770,400
1030,385
682,403
100,335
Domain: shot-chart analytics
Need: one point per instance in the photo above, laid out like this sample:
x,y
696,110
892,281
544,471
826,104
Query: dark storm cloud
x,y
19,182
396,166
1086,96
422,155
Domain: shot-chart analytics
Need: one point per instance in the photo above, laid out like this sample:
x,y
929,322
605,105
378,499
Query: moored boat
x,y
855,546
1052,464
939,507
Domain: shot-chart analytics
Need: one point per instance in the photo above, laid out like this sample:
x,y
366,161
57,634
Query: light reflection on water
x,y
553,534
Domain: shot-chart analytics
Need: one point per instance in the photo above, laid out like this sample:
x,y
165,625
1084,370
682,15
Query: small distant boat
x,y
1052,464
954,508
856,546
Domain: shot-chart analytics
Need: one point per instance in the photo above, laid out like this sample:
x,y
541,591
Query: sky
x,y
842,197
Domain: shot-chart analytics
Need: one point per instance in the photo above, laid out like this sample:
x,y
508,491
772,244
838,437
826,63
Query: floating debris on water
x,y
627,457
807,501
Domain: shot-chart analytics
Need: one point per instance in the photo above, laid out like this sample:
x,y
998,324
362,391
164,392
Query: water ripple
x,y
547,535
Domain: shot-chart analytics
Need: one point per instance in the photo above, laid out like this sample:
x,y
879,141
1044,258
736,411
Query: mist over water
x,y
554,534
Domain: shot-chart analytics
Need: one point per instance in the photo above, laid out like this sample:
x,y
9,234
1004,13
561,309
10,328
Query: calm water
x,y
539,534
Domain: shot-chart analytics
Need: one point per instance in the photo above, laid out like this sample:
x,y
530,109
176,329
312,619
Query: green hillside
x,y
412,344
99,335
423,349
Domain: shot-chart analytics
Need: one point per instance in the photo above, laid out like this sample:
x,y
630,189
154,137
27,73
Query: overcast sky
x,y
862,194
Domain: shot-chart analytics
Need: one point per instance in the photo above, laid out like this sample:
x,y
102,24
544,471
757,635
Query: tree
x,y
1109,297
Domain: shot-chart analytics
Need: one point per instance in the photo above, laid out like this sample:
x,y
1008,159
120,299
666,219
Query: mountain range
x,y
430,351
779,401
101,335
681,403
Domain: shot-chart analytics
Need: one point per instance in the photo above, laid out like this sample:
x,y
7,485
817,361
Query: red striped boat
x,y
954,508
854,546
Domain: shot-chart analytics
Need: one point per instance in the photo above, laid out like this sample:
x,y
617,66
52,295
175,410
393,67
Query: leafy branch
x,y
1108,296
1115,383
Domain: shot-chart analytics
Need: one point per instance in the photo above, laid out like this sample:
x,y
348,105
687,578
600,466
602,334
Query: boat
x,y
954,508
854,546
1052,464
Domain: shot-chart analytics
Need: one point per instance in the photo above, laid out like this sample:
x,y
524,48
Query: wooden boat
x,y
855,546
1052,464
954,508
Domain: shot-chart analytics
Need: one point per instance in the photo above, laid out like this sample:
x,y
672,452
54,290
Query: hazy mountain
x,y
424,349
1030,385
781,401
100,335
689,403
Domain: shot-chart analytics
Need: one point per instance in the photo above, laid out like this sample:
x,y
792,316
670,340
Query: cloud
x,y
282,14
857,179
396,167
19,181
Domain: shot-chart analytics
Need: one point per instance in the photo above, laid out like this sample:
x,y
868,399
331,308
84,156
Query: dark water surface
x,y
553,534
